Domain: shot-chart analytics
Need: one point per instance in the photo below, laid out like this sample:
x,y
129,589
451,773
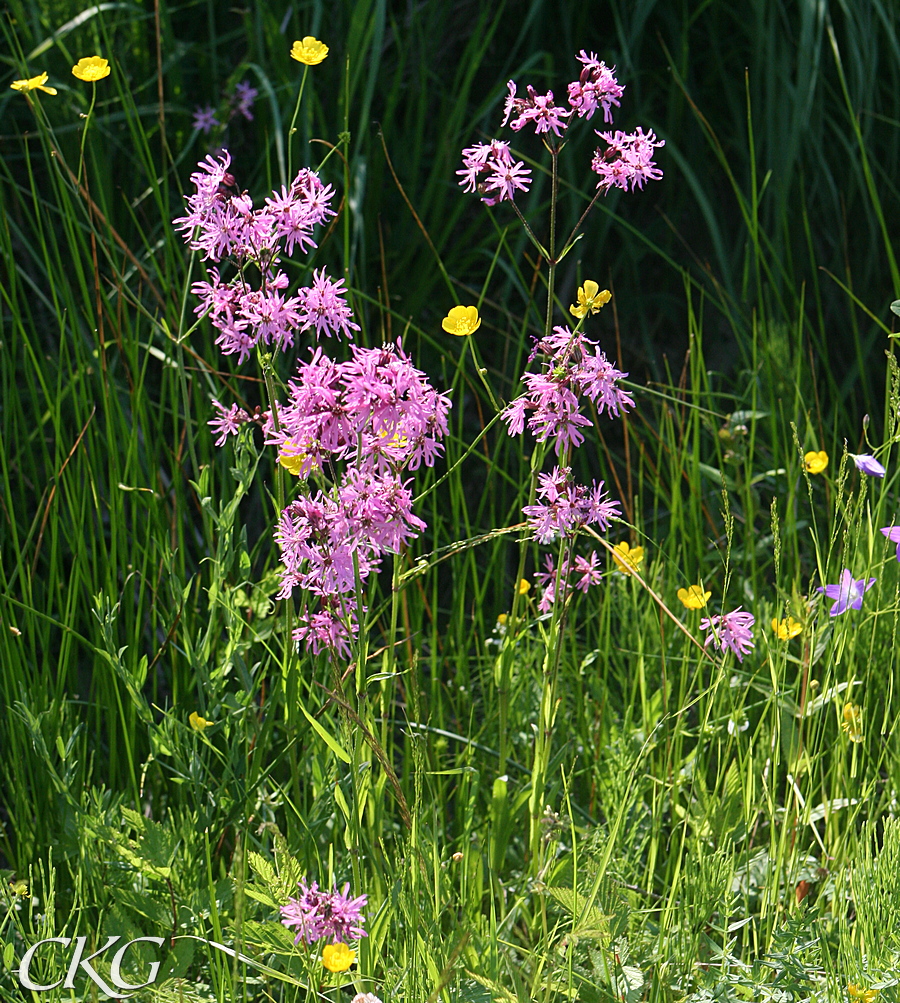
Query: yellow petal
x,y
309,51
462,321
91,68
198,723
694,597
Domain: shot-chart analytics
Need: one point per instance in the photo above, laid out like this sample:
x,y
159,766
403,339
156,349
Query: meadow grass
x,y
537,807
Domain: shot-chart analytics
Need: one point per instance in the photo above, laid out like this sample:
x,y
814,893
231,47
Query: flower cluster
x,y
574,367
576,573
566,508
222,223
378,414
502,175
318,913
626,162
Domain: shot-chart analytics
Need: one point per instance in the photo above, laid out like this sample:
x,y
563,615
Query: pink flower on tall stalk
x,y
731,631
574,367
848,592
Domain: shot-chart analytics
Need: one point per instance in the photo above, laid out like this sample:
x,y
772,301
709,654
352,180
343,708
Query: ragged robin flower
x,y
814,462
337,957
462,321
309,51
91,68
694,597
590,299
787,628
33,84
628,559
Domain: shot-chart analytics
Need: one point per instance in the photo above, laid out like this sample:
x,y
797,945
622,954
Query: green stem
x,y
87,122
292,130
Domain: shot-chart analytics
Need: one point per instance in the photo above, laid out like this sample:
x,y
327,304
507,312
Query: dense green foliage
x,y
603,812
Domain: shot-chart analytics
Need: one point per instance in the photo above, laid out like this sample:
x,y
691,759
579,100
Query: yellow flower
x,y
787,628
198,723
18,887
861,993
694,597
293,461
524,586
309,50
33,84
815,463
501,619
337,957
590,299
461,321
852,723
628,559
91,68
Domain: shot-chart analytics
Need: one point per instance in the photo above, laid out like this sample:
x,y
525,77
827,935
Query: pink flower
x,y
848,592
318,914
504,175
537,109
323,307
566,507
627,162
596,87
731,631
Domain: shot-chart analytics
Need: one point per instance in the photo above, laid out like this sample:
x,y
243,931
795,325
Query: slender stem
x,y
582,218
551,270
294,120
87,122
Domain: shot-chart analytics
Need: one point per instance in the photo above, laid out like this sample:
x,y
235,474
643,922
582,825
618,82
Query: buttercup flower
x,y
852,722
848,593
893,534
815,463
731,631
91,68
590,299
694,597
462,321
867,464
309,51
198,723
628,559
33,84
787,628
856,992
337,957
524,586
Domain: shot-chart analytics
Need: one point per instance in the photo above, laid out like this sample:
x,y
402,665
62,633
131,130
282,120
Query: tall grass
x,y
703,828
